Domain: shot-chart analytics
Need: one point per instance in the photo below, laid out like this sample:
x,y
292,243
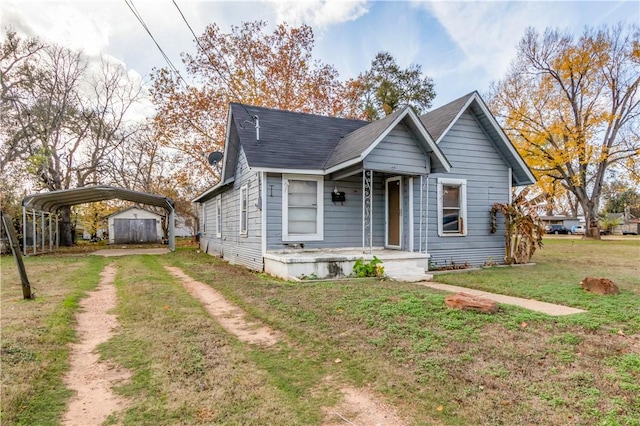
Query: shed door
x,y
393,212
129,231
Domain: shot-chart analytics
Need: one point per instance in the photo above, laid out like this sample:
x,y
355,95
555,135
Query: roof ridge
x,y
280,110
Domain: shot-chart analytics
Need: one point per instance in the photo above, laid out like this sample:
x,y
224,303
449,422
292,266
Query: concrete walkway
x,y
533,305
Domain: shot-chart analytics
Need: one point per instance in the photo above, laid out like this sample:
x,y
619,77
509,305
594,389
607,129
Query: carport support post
x,y
24,229
57,232
42,228
172,231
35,228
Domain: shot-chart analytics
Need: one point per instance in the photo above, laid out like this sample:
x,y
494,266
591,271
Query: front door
x,y
393,212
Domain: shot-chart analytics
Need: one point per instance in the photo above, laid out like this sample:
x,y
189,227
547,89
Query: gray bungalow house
x,y
304,195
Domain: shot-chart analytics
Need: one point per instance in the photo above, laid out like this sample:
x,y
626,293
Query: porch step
x,y
406,272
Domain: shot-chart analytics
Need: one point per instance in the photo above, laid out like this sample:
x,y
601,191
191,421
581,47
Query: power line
x,y
172,67
215,67
135,12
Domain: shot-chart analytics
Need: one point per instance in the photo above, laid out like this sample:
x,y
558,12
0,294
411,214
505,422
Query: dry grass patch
x,y
35,334
188,370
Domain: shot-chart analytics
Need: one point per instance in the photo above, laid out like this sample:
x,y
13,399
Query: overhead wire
x,y
172,67
215,67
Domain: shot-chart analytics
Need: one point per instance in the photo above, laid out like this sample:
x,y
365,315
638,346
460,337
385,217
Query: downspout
x,y
263,207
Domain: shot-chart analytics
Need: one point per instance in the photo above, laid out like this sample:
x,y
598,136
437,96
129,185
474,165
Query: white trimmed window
x,y
452,207
219,216
302,208
244,213
204,218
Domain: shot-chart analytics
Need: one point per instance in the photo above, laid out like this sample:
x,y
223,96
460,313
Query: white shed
x,y
135,225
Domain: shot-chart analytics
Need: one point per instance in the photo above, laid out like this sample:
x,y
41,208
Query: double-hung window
x,y
452,207
219,216
302,206
244,212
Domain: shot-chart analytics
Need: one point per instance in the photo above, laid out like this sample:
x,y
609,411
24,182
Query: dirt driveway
x,y
93,379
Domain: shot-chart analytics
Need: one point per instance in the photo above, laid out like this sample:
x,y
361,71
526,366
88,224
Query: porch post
x,y
411,230
424,212
367,210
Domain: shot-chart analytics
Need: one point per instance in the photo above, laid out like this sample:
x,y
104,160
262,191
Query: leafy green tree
x,y
618,201
386,86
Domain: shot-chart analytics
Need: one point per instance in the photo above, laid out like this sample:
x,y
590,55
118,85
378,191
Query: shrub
x,y
373,268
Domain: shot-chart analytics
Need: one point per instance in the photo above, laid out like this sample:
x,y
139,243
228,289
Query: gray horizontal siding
x,y
398,152
474,257
474,158
231,246
342,221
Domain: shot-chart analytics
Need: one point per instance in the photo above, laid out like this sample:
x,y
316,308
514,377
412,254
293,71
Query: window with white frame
x,y
219,216
452,207
302,206
204,218
244,204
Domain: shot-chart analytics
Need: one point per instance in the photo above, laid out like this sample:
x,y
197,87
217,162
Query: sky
x,y
463,46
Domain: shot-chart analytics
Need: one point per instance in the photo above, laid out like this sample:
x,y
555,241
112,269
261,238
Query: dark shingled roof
x,y
439,119
289,140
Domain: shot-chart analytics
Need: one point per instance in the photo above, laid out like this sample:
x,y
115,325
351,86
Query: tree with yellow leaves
x,y
571,105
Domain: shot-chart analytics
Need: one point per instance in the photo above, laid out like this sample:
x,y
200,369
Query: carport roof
x,y
51,201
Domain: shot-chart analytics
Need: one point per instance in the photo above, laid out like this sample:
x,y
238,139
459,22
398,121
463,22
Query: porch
x,y
338,263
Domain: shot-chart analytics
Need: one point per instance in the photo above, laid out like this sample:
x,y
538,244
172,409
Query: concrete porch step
x,y
406,273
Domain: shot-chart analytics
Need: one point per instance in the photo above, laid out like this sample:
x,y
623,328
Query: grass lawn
x,y
436,366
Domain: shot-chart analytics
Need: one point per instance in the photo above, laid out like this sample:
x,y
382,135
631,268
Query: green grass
x,y
398,340
35,335
515,367
186,368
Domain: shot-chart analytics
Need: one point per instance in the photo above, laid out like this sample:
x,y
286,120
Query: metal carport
x,y
52,201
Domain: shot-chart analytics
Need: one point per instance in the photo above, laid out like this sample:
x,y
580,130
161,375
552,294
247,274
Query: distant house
x,y
135,225
567,221
307,195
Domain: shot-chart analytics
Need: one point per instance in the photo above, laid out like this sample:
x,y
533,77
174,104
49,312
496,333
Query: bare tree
x,y
67,115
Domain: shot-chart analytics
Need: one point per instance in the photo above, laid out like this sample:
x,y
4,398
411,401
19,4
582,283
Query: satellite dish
x,y
214,158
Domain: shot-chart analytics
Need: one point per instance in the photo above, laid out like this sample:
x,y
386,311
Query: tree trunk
x,y
591,218
66,227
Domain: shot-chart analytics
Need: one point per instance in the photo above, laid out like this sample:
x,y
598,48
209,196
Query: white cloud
x,y
60,23
319,13
488,32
